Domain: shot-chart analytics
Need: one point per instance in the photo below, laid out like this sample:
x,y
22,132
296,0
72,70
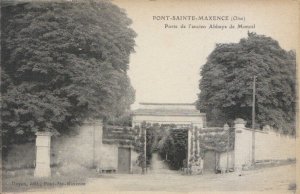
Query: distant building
x,y
169,113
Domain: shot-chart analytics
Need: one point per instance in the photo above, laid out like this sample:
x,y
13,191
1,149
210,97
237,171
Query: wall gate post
x,y
98,133
42,167
195,164
189,151
242,145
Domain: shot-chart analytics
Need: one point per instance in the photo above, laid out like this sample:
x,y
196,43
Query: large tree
x,y
63,62
227,77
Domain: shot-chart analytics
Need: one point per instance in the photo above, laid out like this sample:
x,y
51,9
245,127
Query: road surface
x,y
267,179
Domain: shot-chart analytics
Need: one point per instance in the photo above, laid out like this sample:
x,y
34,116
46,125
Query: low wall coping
x,y
43,133
92,122
125,146
259,131
239,121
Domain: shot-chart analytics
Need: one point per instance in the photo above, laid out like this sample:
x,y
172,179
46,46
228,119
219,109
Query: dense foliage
x,y
119,135
227,77
220,141
63,62
175,148
140,148
168,140
124,119
152,133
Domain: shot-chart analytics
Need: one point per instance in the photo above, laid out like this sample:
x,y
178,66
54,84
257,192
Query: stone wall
x,y
110,158
20,156
73,153
109,154
82,149
269,145
242,145
94,146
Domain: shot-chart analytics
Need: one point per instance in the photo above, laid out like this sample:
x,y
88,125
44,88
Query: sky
x,y
167,61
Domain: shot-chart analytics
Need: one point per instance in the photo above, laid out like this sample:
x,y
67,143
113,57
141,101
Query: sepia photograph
x,y
149,96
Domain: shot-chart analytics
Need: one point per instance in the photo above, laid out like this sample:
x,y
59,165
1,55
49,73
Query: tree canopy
x,y
63,62
227,79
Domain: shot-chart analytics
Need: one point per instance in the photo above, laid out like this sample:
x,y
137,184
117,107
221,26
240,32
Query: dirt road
x,y
267,179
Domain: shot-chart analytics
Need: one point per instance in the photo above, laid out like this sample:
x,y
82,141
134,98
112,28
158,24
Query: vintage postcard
x,y
149,96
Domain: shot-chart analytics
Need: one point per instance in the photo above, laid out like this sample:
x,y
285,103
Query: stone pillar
x,y
194,143
91,142
42,166
98,127
242,145
189,151
194,159
198,143
226,129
